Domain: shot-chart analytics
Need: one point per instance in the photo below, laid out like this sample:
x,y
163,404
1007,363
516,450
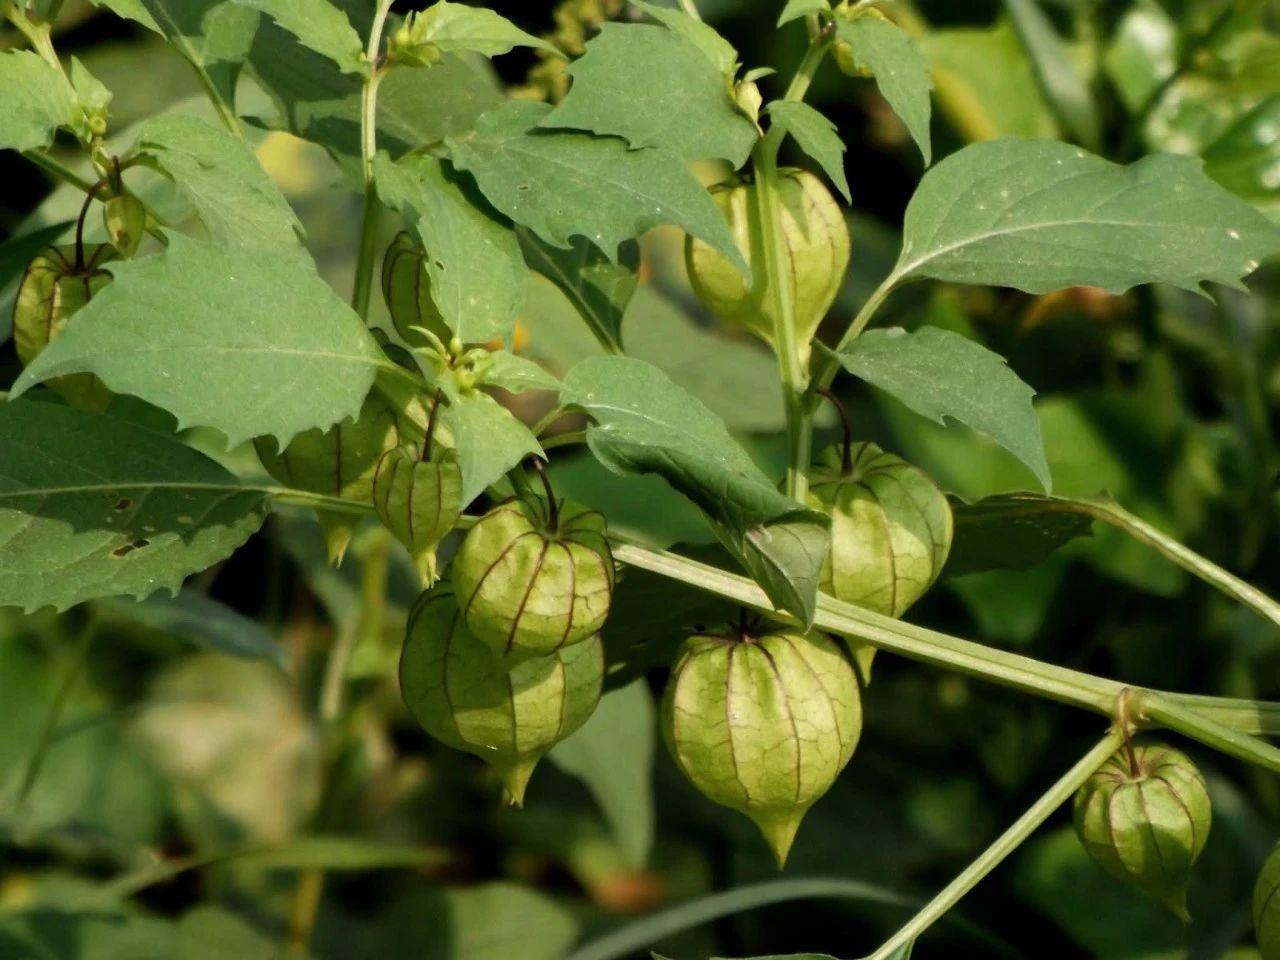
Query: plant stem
x,y
363,287
1188,722
553,508
79,656
1005,844
37,33
58,170
830,366
691,8
846,429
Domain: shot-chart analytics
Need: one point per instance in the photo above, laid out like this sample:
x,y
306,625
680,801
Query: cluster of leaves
x,y
229,333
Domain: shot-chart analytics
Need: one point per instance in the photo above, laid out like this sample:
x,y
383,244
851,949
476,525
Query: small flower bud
x,y
763,724
1144,818
531,581
466,698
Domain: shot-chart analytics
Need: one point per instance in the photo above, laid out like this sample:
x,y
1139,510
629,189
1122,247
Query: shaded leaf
x,y
561,184
37,100
1064,89
1040,216
1246,158
331,853
940,375
816,136
247,340
459,28
901,73
690,113
700,34
319,26
477,271
620,780
644,423
795,9
222,178
506,370
210,933
598,289
197,619
1011,531
91,506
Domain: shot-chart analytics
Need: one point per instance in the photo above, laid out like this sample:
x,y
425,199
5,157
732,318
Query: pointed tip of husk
x,y
515,777
779,829
428,568
337,537
1177,905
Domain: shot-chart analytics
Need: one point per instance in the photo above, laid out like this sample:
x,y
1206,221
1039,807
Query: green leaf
x,y
247,340
1064,89
1010,531
332,853
37,100
690,113
816,136
485,922
488,438
795,9
210,933
92,507
940,374
222,178
715,47
901,73
1246,158
644,423
213,35
477,271
1040,216
319,26
193,617
458,28
561,184
620,780
506,370
598,289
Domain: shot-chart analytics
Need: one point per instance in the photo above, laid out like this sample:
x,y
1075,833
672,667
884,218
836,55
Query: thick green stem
x,y
689,7
79,656
829,365
1005,844
363,288
58,170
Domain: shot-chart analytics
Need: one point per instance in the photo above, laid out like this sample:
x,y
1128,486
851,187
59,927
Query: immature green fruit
x,y
125,219
465,697
891,530
1266,907
1144,818
407,290
419,500
817,244
339,462
763,724
531,581
54,287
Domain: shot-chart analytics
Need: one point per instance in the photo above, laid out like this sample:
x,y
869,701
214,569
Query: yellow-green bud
x,y
419,500
763,724
465,697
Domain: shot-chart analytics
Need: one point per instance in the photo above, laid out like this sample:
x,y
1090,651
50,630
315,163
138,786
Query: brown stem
x,y
431,426
84,212
846,458
553,508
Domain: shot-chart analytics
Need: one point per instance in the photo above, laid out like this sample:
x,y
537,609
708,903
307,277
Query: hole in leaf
x,y
124,503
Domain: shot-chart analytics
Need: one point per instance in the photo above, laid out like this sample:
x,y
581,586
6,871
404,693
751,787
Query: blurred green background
x,y
195,738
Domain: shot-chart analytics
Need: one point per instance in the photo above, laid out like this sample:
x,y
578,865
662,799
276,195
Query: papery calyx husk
x,y
125,219
53,289
1266,906
891,531
419,500
763,724
406,287
817,243
1144,817
339,462
531,581
467,698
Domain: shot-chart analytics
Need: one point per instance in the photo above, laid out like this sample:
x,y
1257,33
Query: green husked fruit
x,y
1266,907
52,290
763,724
419,501
817,243
529,585
1145,820
465,697
891,530
407,289
339,462
125,220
